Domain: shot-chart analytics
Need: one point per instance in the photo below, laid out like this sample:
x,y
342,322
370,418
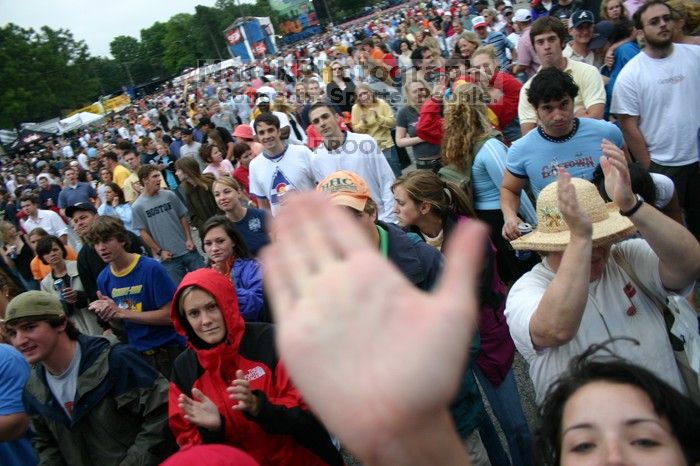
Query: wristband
x,y
634,209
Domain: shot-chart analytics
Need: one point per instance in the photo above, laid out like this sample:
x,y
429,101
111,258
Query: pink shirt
x,y
526,54
632,5
224,168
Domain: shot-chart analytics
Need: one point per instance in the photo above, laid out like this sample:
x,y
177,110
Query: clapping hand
x,y
200,410
576,219
240,391
617,176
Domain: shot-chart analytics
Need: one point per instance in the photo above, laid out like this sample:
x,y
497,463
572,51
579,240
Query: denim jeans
x,y
505,402
177,267
393,158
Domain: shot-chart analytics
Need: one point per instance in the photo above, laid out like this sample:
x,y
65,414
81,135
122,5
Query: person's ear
x,y
424,208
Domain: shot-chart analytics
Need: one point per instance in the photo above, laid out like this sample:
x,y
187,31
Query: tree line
x,y
46,73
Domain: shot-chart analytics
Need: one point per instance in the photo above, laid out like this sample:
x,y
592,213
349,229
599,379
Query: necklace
x,y
559,139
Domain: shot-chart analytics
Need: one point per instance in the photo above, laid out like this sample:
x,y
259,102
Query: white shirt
x,y
360,154
48,220
192,150
665,94
272,178
605,316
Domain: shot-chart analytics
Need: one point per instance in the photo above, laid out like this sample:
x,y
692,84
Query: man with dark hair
x,y
281,168
209,127
135,291
48,220
548,36
424,65
90,400
649,98
132,186
191,148
162,220
355,152
90,264
119,173
561,140
74,191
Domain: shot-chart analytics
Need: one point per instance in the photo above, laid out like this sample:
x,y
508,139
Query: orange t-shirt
x,y
40,270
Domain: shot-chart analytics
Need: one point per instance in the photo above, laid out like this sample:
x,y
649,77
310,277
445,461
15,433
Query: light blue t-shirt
x,y
537,157
487,175
14,373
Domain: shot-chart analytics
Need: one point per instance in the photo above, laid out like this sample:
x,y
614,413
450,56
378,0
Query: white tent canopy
x,y
78,120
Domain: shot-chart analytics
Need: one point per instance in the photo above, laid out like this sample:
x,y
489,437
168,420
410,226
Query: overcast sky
x,y
96,22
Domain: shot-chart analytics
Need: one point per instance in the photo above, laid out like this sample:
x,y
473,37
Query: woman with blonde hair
x,y
427,156
503,90
686,18
432,208
467,43
373,116
471,145
613,10
196,189
251,223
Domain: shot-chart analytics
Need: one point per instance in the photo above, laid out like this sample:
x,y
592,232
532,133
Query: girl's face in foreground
x,y
609,423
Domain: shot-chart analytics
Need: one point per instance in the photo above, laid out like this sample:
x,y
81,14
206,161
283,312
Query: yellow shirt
x,y
120,174
380,120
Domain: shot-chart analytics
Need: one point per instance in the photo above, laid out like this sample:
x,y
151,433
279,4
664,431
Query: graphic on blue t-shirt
x,y
143,287
580,160
280,186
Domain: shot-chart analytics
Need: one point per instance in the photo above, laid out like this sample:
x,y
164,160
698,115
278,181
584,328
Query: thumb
x,y
463,266
198,395
605,166
100,295
240,374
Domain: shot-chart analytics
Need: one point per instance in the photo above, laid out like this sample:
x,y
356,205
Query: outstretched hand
x,y
376,358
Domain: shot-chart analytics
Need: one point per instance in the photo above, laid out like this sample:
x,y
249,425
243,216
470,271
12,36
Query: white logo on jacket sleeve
x,y
254,373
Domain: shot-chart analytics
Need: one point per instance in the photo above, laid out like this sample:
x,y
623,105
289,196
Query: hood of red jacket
x,y
221,288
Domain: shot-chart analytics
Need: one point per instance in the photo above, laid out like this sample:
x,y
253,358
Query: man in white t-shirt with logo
x,y
358,153
281,168
656,98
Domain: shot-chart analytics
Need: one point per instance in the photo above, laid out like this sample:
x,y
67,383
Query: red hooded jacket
x,y
284,432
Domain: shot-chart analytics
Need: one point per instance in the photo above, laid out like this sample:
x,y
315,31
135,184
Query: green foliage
x,y
42,74
46,73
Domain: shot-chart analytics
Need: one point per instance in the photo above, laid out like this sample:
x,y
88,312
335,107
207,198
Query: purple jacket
x,y
246,276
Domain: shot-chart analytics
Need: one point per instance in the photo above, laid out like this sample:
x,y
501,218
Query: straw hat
x,y
552,233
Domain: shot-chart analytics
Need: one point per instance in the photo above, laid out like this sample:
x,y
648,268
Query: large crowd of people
x,y
344,247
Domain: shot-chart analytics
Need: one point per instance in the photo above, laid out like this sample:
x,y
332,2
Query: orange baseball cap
x,y
345,189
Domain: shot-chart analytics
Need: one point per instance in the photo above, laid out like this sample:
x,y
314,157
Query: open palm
x,y
200,410
370,353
